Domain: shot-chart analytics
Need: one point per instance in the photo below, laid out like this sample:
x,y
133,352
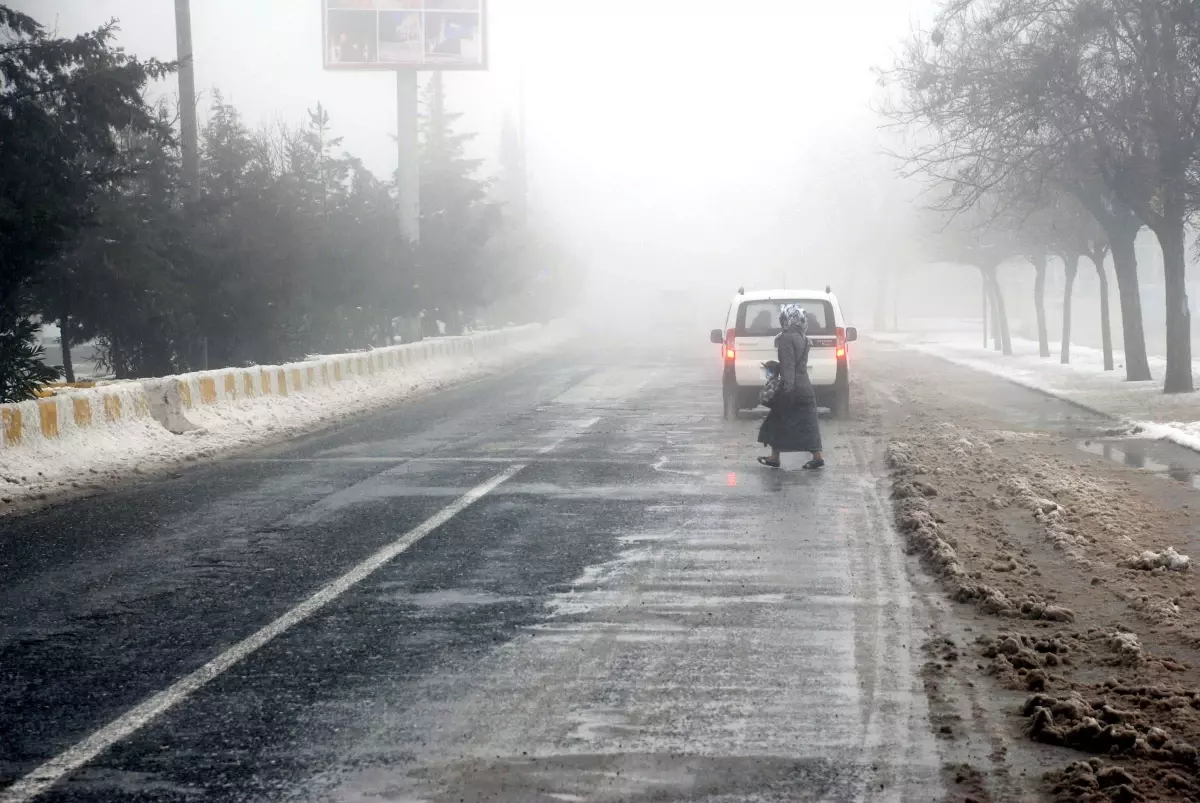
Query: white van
x,y
748,340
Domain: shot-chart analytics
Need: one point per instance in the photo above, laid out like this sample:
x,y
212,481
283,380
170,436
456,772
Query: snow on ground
x,y
91,460
1085,382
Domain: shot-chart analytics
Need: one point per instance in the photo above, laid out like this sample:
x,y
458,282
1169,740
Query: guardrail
x,y
168,400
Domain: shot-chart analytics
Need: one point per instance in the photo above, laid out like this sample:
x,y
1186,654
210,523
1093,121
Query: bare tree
x,y
996,94
973,239
1076,234
1126,72
1070,232
1098,251
1070,260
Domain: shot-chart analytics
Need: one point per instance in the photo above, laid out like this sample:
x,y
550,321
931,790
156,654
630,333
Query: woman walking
x,y
792,424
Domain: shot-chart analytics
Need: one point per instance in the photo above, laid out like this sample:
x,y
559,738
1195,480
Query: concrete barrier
x,y
61,415
169,400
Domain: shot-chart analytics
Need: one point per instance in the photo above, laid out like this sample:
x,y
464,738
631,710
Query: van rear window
x,y
761,318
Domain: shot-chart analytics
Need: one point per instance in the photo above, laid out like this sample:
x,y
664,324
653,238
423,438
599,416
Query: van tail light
x,y
841,343
730,351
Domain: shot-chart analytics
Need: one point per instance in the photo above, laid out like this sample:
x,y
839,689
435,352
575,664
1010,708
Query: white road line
x,y
40,779
583,425
531,459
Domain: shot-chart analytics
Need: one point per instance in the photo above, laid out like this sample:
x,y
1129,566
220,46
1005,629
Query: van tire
x,y
730,398
841,398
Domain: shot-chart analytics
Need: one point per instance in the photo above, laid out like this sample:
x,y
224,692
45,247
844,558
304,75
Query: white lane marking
x,y
531,459
583,425
40,779
659,466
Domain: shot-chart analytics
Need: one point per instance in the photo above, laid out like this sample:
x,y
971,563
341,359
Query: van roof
x,y
771,295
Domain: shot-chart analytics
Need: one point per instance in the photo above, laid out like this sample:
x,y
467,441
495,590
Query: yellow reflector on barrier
x,y
11,417
208,390
83,412
48,413
112,406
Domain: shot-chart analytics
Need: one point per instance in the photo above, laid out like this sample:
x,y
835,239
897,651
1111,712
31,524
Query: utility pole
x,y
522,149
189,135
408,176
408,179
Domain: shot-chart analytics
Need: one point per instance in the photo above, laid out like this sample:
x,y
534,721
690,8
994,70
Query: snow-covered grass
x,y
87,460
1084,382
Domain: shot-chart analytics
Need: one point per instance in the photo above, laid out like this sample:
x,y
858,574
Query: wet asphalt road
x,y
633,612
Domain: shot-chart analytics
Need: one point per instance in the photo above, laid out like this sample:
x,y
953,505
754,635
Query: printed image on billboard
x,y
405,34
401,37
352,36
453,37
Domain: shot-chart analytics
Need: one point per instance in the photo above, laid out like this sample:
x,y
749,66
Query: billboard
x,y
405,34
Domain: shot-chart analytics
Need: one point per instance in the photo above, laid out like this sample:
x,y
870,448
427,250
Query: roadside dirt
x,y
1073,571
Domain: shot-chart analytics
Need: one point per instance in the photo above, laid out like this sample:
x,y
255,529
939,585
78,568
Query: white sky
x,y
685,140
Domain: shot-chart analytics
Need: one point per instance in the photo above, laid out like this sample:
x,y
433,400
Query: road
x,y
567,583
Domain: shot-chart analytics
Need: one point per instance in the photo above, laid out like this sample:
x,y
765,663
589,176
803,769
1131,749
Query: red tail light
x,y
730,351
841,343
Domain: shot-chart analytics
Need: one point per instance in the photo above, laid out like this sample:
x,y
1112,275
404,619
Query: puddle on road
x,y
1166,460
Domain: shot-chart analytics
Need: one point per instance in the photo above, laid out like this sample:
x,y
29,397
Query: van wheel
x,y
841,399
730,397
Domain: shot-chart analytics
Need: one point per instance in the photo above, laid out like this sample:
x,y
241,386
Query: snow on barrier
x,y
167,402
49,419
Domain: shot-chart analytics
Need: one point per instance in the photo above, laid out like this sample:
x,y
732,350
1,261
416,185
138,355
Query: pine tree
x,y
63,104
289,246
21,355
457,220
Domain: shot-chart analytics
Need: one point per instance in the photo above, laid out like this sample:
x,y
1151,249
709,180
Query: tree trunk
x,y
998,309
881,295
387,330
453,321
986,302
1105,320
991,321
1071,263
117,355
1137,366
64,325
1179,318
1039,304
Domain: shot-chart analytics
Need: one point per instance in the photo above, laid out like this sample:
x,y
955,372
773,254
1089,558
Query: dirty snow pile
x,y
919,524
96,459
1168,559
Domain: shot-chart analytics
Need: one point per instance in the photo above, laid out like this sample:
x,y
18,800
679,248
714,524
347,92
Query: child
x,y
774,380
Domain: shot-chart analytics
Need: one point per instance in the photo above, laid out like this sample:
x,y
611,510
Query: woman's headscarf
x,y
793,318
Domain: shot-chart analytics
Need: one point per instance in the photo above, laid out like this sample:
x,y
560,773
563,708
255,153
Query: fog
x,y
677,148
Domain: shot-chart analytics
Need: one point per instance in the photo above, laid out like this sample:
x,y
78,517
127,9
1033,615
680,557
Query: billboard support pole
x,y
408,182
189,136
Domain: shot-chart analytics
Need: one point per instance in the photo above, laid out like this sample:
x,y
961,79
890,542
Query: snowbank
x,y
1084,382
86,440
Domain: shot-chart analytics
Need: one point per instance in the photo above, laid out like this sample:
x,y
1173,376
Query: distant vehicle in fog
x,y
748,340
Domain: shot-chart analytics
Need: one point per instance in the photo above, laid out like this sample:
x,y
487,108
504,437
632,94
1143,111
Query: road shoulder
x,y
1069,613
